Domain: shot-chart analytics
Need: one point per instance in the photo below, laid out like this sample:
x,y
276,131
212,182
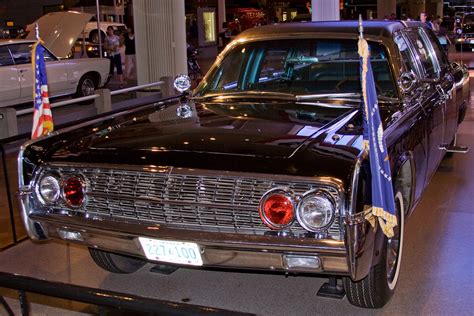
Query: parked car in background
x,y
263,166
9,32
240,19
92,34
77,77
465,33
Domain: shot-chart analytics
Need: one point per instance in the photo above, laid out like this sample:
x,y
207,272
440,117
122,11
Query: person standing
x,y
130,59
112,47
225,35
424,20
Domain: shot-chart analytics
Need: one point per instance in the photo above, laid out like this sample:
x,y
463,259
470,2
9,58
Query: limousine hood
x,y
252,137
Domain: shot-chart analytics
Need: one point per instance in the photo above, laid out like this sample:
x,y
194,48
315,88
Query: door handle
x,y
441,91
23,70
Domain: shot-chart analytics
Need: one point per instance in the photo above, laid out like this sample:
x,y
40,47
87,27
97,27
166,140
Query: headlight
x,y
316,210
48,189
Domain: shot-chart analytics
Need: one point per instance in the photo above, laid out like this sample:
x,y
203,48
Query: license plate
x,y
171,251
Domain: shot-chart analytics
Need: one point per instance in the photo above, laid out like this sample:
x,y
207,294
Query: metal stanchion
x,y
6,306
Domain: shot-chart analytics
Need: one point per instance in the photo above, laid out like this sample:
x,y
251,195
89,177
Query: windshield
x,y
299,67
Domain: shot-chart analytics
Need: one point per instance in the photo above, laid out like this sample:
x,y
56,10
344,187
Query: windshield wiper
x,y
331,96
350,96
247,94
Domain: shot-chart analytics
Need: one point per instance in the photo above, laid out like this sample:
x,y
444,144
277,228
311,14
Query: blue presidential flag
x,y
383,204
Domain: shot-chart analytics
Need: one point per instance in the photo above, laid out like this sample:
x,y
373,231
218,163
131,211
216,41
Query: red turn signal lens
x,y
277,210
73,191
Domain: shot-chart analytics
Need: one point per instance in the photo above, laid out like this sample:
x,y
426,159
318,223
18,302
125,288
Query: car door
x,y
9,80
414,113
55,71
431,97
446,85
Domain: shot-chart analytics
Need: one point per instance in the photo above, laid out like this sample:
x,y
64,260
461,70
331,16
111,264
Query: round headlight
x,y
48,189
277,209
316,210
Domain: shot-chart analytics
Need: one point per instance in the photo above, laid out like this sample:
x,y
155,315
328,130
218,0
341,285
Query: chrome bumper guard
x,y
217,249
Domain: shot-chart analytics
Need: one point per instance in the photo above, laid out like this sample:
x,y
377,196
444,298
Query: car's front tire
x,y
87,86
115,263
376,289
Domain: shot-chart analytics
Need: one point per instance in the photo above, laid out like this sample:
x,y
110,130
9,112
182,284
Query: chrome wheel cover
x,y
87,87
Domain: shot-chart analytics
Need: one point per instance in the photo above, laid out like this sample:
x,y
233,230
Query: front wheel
x,y
115,263
87,85
376,289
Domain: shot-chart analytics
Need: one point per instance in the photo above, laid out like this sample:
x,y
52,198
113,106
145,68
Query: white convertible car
x,y
78,77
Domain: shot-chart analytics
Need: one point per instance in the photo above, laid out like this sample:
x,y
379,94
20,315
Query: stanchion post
x,y
103,103
8,123
167,88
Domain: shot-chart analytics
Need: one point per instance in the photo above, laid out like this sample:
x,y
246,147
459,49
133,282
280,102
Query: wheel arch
x,y
363,243
95,31
95,74
404,179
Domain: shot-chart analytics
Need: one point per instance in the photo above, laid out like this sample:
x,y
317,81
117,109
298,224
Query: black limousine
x,y
260,167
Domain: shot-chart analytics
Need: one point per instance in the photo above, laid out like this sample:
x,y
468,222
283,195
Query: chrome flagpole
x,y
37,33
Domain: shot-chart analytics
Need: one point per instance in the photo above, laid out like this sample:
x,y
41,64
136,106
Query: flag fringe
x,y
386,220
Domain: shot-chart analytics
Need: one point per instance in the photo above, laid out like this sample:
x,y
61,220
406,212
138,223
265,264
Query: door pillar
x,y
160,39
325,10
221,18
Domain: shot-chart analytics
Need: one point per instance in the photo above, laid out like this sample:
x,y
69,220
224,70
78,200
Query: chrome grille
x,y
198,202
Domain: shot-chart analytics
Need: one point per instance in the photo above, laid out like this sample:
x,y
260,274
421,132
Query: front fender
x,y
363,242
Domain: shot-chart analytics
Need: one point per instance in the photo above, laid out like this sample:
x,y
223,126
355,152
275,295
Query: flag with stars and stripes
x,y
383,204
42,116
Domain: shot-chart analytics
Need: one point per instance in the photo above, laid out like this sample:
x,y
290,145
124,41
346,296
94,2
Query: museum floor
x,y
437,273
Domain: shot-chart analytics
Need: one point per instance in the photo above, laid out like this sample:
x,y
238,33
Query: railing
x,y
93,96
9,117
126,303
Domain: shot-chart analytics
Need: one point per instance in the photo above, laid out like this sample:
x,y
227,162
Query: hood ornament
x,y
184,110
182,83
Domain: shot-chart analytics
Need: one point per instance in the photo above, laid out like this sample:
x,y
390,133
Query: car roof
x,y
326,28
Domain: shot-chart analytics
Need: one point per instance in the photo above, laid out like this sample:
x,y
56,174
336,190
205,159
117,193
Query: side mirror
x,y
455,65
407,82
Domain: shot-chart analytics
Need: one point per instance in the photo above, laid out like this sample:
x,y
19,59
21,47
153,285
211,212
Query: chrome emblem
x,y
184,111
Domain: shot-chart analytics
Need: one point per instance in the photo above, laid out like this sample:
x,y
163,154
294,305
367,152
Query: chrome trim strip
x,y
25,192
354,188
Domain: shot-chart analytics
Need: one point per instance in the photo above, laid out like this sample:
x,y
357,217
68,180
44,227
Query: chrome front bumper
x,y
217,249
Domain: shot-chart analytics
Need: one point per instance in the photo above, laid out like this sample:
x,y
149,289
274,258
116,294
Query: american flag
x,y
42,116
383,204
